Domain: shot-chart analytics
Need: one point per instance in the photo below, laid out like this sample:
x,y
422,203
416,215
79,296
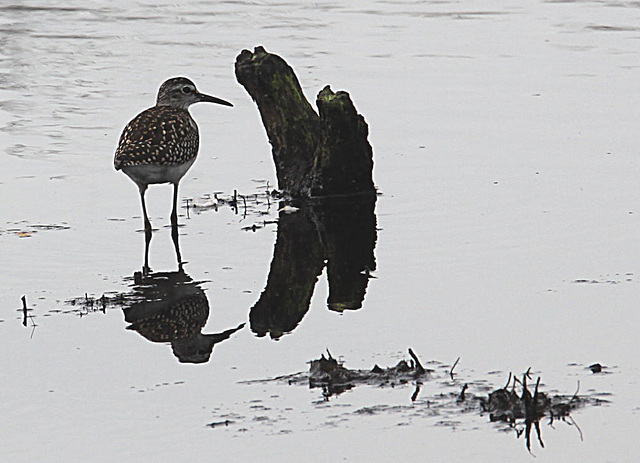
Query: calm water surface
x,y
505,149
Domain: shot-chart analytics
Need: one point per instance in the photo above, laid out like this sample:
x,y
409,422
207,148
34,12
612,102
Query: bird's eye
x,y
186,90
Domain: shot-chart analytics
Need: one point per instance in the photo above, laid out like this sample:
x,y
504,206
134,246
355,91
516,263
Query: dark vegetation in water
x,y
522,411
331,375
519,405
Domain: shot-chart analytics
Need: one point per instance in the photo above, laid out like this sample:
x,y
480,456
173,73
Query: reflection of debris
x,y
258,226
461,396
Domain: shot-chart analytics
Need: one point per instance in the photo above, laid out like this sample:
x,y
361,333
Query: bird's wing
x,y
161,135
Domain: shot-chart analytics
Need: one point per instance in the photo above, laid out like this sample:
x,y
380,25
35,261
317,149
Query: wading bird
x,y
161,143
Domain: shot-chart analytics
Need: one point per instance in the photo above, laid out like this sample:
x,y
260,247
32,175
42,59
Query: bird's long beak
x,y
212,99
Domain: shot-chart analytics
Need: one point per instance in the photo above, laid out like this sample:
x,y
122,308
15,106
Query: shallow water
x,y
505,154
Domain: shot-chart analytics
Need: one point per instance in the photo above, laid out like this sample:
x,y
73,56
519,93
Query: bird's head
x,y
180,92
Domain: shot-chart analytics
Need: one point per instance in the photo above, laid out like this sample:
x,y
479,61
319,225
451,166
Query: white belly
x,y
146,174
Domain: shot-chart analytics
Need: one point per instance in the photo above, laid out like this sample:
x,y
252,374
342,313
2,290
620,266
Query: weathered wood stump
x,y
315,154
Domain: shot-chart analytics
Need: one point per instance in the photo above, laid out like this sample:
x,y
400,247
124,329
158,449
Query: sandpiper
x,y
161,143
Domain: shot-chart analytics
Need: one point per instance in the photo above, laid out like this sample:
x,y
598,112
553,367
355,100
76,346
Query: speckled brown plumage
x,y
161,135
184,318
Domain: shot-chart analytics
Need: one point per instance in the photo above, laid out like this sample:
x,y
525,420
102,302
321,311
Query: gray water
x,y
506,155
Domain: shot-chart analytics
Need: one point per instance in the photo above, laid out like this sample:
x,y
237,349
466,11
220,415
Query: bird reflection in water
x,y
169,307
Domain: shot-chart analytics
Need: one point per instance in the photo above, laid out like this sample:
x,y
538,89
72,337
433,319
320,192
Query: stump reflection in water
x,y
337,233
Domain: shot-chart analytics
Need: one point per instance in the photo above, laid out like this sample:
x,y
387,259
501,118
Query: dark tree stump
x,y
315,155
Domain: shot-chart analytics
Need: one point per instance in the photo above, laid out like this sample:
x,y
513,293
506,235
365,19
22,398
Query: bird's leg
x,y
147,223
176,244
146,270
147,232
174,226
174,212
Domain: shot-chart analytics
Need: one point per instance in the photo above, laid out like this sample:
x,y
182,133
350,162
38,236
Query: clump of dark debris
x,y
523,411
515,404
334,378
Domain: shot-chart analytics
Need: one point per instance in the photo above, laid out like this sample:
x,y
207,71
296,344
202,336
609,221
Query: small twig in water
x,y
508,382
535,392
215,424
420,369
25,315
24,310
516,381
454,365
234,202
